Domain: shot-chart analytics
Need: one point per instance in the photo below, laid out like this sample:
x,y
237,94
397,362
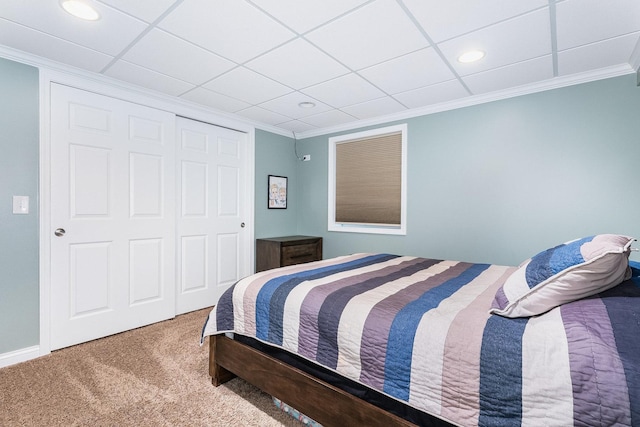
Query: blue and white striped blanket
x,y
419,330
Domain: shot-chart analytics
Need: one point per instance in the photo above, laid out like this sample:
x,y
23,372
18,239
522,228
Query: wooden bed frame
x,y
317,399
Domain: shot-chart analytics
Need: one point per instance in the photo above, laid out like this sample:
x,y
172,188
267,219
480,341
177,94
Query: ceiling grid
x,y
355,60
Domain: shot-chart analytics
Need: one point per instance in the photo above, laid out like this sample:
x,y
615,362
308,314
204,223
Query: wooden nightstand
x,y
288,250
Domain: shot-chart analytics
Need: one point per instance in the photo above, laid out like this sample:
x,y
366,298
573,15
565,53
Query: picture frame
x,y
277,192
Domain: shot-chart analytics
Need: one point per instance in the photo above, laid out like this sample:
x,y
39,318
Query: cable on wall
x,y
295,146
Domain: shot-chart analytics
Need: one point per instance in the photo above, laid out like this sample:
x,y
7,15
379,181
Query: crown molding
x,y
204,113
634,60
237,122
555,83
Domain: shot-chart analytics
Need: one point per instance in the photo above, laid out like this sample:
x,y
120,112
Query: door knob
x,y
59,232
242,224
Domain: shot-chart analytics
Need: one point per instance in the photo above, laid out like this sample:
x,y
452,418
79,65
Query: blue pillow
x,y
564,273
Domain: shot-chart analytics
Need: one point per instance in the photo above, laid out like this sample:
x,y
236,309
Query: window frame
x,y
367,228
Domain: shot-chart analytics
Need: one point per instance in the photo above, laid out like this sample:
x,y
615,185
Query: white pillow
x,y
565,273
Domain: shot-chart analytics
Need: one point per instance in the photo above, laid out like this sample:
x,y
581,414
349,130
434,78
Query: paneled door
x,y
211,230
112,216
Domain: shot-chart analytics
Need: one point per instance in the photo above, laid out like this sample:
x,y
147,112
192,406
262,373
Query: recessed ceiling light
x,y
80,10
471,56
306,104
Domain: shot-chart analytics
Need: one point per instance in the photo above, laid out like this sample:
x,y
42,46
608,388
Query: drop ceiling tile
x,y
147,11
296,126
304,15
287,105
110,34
531,71
158,50
443,20
247,86
434,94
38,43
377,107
297,64
587,21
263,116
144,77
361,38
216,100
233,29
519,39
345,90
329,118
597,55
411,71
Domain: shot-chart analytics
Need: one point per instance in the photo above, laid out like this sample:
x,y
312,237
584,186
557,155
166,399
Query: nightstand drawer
x,y
298,254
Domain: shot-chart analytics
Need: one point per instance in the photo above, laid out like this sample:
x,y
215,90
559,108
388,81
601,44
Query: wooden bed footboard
x,y
317,399
219,375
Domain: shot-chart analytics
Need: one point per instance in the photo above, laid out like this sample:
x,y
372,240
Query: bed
x,y
383,339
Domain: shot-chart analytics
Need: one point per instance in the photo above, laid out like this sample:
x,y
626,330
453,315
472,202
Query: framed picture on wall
x,y
277,192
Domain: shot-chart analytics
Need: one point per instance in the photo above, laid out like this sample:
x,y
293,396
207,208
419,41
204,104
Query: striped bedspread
x,y
419,330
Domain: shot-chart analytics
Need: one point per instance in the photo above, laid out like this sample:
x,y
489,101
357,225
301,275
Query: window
x,y
367,181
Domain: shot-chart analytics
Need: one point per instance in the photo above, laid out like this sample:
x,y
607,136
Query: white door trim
x,y
179,108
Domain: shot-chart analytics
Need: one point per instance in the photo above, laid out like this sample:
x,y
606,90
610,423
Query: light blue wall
x,y
275,155
499,182
19,286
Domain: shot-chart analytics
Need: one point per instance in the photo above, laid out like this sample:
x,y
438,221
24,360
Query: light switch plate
x,y
20,205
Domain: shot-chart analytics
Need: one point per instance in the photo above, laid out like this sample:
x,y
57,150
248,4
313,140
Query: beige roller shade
x,y
369,180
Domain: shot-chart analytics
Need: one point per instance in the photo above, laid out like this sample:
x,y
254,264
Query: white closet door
x,y
211,234
112,195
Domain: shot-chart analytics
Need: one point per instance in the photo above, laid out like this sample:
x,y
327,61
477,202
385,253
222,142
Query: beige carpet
x,y
152,376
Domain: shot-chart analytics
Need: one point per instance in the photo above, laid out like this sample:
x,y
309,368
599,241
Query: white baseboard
x,y
17,356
